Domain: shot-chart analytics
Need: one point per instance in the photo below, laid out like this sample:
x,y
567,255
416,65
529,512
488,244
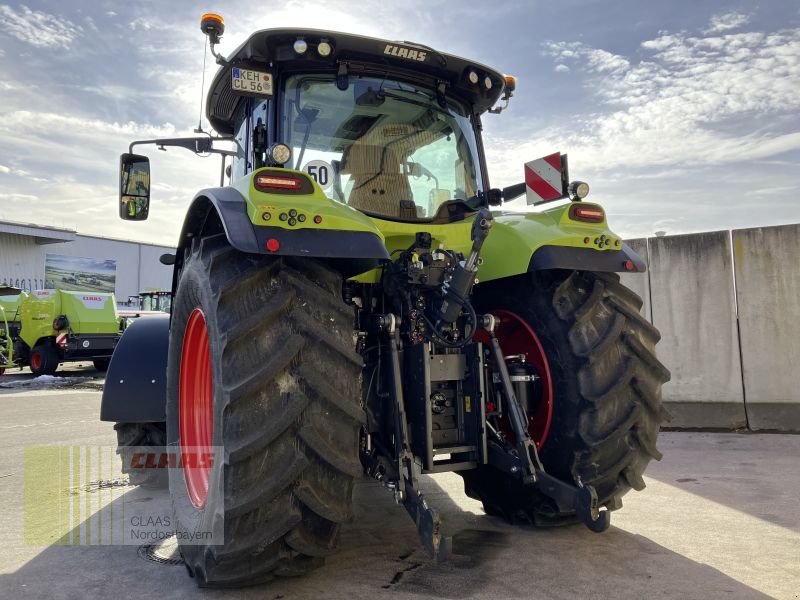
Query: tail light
x,y
272,182
279,181
587,213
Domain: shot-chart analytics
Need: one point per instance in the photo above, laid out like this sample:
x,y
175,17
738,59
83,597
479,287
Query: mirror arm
x,y
513,191
198,145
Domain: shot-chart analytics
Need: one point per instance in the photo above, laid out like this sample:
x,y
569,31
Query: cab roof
x,y
272,49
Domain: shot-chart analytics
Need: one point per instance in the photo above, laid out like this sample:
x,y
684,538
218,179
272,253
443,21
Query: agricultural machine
x,y
357,301
10,298
44,328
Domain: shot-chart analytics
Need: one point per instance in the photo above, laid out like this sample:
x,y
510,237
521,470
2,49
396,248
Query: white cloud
x,y
562,68
148,24
727,21
38,28
692,100
10,197
596,59
660,126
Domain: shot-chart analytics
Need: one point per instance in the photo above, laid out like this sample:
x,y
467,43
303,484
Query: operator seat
x,y
379,186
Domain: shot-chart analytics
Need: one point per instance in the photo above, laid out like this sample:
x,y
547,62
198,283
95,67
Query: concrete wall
x,y
728,308
768,294
693,305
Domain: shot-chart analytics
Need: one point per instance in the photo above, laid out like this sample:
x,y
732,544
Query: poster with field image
x,y
78,274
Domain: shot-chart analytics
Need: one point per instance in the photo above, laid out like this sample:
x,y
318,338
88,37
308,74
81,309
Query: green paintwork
x,y
510,245
516,236
88,313
508,250
335,215
6,344
10,304
9,307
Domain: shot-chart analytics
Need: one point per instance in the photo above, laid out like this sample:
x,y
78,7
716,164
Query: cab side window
x,y
241,163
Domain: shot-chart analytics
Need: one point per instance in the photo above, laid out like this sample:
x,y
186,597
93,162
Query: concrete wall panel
x,y
639,282
691,279
768,293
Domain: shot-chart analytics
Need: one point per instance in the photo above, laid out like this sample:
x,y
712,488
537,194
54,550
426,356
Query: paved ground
x,y
719,519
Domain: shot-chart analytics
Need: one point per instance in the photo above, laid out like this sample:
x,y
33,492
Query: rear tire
x,y
286,383
607,390
43,359
142,437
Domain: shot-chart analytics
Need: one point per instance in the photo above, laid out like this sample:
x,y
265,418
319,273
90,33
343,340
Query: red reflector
x,y
629,266
317,219
273,245
275,182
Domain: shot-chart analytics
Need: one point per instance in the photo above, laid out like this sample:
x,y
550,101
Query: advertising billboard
x,y
78,274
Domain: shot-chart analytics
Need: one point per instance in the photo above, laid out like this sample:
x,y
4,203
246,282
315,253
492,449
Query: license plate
x,y
246,81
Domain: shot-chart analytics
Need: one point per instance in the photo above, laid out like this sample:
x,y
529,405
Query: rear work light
x,y
589,214
275,182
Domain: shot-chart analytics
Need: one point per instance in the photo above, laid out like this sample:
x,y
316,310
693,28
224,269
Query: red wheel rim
x,y
195,407
517,337
36,361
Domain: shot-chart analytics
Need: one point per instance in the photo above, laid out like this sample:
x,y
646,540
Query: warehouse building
x,y
35,257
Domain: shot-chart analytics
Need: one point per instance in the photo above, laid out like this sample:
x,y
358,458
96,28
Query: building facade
x,y
34,257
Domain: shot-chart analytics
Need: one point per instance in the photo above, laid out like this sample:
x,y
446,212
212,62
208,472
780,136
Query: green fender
x,y
553,239
307,223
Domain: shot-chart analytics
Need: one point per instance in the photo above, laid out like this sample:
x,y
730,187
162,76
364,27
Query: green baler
x,y
58,326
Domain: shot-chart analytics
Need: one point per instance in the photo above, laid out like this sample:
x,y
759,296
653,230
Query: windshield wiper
x,y
415,102
308,115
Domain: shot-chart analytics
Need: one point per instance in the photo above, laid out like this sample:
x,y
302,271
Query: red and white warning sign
x,y
546,178
61,340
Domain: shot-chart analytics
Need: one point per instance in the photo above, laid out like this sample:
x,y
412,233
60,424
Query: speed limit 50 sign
x,y
321,171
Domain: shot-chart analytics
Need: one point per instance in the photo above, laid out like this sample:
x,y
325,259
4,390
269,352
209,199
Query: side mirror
x,y
134,187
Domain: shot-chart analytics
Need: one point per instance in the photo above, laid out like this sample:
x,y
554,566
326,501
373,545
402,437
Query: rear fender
x,y
136,381
552,239
257,222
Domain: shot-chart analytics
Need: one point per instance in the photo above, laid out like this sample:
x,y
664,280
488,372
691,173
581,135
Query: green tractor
x,y
55,326
356,302
155,301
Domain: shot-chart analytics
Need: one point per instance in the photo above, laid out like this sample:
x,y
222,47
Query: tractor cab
x,y
391,129
155,301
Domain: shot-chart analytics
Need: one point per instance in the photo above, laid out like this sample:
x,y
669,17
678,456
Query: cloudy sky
x,y
682,115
